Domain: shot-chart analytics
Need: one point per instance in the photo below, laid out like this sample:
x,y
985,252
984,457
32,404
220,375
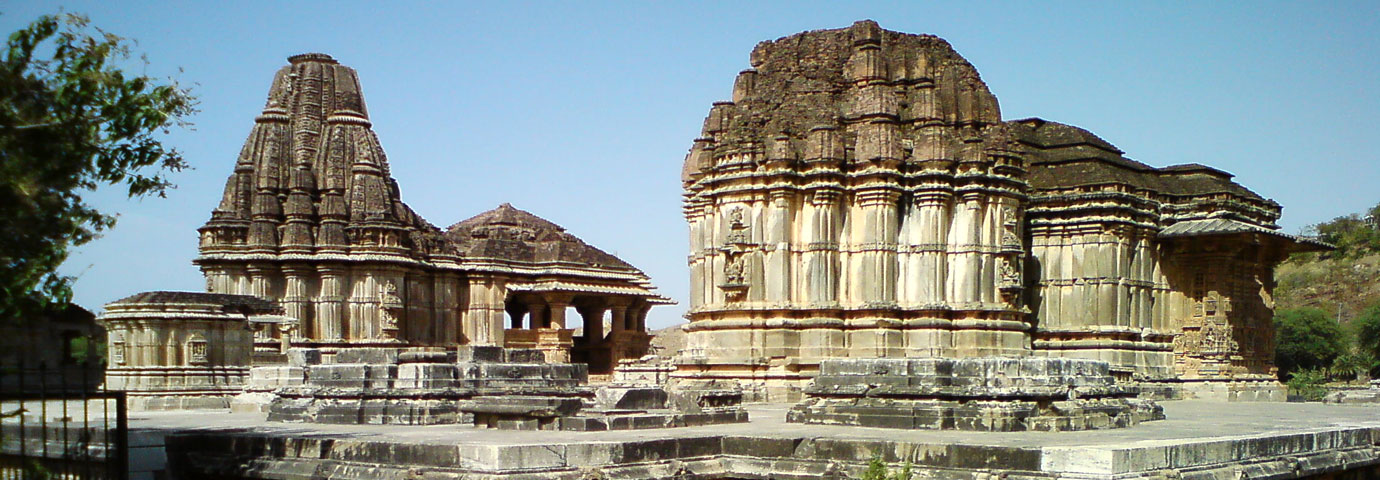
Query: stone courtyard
x,y
881,267
1199,440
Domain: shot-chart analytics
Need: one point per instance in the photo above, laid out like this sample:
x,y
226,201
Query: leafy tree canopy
x,y
71,120
1367,327
1354,235
1307,338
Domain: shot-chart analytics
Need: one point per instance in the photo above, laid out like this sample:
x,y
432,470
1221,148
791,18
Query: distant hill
x,y
1342,282
1332,284
667,341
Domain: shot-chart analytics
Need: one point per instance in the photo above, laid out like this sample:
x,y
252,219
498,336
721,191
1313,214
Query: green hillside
x,y
1342,282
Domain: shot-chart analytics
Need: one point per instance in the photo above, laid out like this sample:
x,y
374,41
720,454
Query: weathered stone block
x,y
524,355
479,354
638,398
375,356
303,357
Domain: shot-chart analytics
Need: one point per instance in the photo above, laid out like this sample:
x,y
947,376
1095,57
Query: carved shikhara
x,y
311,218
861,196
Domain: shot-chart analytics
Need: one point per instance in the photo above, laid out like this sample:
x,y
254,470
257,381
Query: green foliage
x,y
1353,235
1309,383
1367,332
1351,364
876,470
84,350
71,121
1307,338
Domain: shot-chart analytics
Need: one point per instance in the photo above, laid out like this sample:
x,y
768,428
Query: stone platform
x,y
1200,440
999,394
487,386
490,387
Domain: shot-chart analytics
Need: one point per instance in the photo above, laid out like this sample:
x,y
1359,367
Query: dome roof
x,y
508,234
841,80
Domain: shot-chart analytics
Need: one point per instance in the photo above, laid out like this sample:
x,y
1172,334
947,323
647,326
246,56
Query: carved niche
x,y
739,233
390,306
739,242
117,351
197,350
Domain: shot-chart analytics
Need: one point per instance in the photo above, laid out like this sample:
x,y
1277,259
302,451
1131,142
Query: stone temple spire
x,y
861,196
312,177
312,218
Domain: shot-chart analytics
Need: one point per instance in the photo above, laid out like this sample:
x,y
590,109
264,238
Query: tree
x,y
1307,338
71,120
1354,235
1367,328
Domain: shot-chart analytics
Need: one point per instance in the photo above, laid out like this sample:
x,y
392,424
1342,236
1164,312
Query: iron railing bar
x,y
86,423
66,421
3,375
43,407
108,460
122,436
23,436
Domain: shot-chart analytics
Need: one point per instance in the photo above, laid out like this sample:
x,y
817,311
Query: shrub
x,y
1307,338
1308,383
876,470
1367,329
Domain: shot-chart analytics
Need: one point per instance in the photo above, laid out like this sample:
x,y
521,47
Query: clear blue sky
x,y
582,112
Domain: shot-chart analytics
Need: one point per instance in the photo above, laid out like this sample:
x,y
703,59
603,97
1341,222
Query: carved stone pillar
x,y
329,322
641,318
593,318
965,262
619,315
931,266
876,279
446,292
558,304
701,281
777,241
536,315
260,282
821,254
260,285
484,317
296,302
363,321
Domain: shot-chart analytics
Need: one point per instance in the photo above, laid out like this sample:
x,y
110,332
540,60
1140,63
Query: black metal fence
x,y
56,422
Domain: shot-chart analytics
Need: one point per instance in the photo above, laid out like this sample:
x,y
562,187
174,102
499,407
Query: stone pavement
x,y
1198,440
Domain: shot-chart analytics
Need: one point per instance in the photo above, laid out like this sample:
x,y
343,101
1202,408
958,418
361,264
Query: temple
x,y
312,219
861,197
872,245
534,271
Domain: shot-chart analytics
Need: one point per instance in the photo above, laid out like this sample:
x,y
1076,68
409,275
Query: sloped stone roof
x,y
247,304
1063,156
507,233
1226,226
833,79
